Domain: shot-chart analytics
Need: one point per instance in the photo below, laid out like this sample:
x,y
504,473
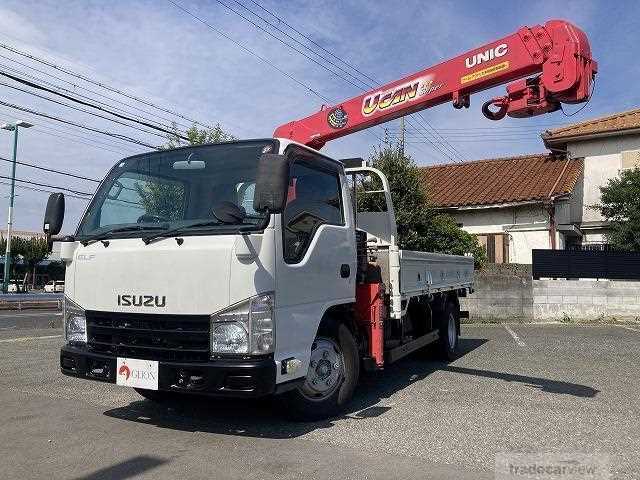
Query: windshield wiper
x,y
167,233
206,223
130,228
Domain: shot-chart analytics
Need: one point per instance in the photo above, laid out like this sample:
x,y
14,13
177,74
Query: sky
x,y
155,51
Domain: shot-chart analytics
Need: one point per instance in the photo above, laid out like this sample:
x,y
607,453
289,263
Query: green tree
x,y
162,199
166,199
32,251
197,136
620,205
420,227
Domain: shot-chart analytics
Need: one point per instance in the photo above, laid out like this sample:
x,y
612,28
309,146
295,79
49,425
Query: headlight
x,y
75,322
246,327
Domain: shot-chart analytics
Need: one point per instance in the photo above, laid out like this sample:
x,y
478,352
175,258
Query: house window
x,y
497,247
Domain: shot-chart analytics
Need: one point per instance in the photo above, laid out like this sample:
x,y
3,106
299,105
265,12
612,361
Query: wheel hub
x,y
326,369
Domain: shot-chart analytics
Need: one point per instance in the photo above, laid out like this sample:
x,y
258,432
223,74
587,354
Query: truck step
x,y
397,353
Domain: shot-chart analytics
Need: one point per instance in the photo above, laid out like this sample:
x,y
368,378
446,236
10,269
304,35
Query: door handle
x,y
345,270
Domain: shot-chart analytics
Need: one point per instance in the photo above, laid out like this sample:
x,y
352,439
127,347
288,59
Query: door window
x,y
314,199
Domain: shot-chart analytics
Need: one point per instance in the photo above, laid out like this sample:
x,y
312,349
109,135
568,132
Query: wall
x,y
527,226
501,297
585,299
516,297
602,162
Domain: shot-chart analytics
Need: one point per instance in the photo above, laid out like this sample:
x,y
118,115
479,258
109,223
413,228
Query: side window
x,y
314,199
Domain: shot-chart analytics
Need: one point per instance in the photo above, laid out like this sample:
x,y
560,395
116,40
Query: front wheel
x,y
332,377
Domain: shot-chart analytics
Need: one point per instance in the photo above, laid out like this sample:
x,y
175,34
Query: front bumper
x,y
228,378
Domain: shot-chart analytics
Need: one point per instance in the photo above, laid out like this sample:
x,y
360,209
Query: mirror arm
x,y
262,225
54,238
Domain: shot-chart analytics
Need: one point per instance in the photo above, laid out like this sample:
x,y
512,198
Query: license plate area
x,y
132,372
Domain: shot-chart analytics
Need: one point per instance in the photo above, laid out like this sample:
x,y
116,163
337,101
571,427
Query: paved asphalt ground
x,y
516,388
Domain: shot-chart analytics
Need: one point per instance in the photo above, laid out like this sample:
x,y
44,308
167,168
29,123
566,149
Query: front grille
x,y
180,338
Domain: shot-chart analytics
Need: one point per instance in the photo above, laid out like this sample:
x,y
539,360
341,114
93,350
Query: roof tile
x,y
501,180
610,123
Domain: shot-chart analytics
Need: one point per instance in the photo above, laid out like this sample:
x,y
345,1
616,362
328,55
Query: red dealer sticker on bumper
x,y
131,372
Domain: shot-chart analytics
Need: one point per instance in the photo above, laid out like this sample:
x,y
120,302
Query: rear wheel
x,y
332,376
448,332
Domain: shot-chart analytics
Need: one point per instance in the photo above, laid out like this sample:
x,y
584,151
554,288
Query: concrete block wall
x,y
519,298
508,297
587,299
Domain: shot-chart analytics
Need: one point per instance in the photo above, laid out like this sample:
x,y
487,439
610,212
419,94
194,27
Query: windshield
x,y
178,188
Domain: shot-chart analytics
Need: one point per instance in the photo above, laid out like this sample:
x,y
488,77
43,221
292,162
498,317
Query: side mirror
x,y
54,215
272,183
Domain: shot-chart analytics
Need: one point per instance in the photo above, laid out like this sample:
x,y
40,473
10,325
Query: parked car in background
x,y
53,286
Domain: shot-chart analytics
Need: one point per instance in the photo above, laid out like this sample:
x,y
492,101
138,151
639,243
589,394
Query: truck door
x,y
316,261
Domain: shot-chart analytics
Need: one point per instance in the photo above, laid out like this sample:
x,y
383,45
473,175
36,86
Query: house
x,y
512,204
606,146
516,204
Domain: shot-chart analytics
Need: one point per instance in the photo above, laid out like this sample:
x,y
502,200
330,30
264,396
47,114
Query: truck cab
x,y
233,269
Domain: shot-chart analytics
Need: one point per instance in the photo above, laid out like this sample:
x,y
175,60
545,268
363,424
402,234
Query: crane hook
x,y
499,114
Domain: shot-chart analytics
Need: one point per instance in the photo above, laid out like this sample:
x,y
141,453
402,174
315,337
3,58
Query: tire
x,y
157,396
447,323
334,386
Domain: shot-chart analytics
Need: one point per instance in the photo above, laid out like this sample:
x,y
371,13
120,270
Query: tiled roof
x,y
501,180
612,123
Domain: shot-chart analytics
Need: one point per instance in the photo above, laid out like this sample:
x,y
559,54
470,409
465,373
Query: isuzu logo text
x,y
495,52
142,300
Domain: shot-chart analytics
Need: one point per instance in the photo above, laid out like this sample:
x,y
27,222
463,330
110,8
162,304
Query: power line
x,y
295,40
362,85
249,51
367,84
452,149
88,112
51,170
122,148
100,84
93,105
80,87
47,185
69,122
61,135
464,131
488,135
68,195
255,55
312,41
87,143
481,140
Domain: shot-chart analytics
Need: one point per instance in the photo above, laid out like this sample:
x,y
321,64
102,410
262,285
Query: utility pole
x,y
402,135
12,127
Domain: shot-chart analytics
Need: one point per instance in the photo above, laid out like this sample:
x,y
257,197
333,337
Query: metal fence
x,y
606,264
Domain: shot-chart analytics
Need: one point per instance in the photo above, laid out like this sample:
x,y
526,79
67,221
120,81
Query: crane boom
x,y
556,53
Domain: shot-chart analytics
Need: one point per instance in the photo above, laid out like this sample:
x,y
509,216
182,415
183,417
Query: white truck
x,y
233,269
245,269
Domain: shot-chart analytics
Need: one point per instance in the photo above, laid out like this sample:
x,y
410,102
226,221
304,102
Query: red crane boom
x,y
557,53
